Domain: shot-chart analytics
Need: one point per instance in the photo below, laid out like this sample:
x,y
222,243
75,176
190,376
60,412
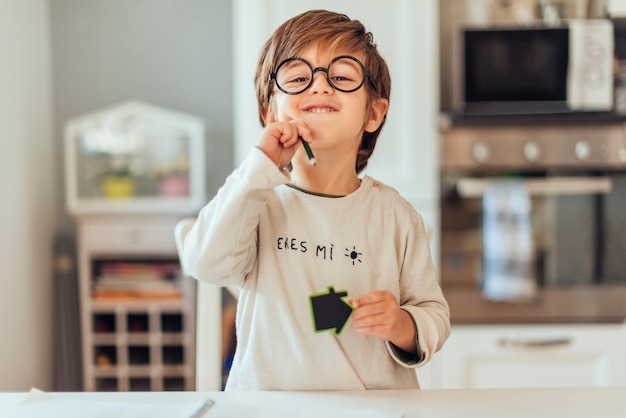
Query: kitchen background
x,y
63,58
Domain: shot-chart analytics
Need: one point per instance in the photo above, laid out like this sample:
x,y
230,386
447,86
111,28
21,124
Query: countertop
x,y
557,305
450,118
472,403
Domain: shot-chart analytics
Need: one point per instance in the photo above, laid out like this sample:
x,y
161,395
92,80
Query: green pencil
x,y
309,153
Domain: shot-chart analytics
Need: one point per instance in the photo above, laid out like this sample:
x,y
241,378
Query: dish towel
x,y
508,249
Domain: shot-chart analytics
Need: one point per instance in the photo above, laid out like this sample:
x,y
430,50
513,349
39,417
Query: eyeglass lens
x,y
344,74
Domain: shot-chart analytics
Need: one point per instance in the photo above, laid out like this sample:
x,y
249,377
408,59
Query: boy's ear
x,y
377,114
269,116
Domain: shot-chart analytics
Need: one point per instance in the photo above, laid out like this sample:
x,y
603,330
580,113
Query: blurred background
x,y
69,252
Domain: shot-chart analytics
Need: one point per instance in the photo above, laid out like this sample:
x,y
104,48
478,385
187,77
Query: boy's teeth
x,y
321,110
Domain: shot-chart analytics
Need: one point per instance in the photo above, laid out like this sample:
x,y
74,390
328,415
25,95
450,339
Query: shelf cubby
x,y
104,323
137,323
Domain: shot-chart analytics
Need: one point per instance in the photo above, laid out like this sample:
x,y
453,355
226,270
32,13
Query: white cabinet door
x,y
406,32
531,356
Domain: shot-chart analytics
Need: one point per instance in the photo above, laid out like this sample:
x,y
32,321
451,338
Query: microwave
x,y
538,69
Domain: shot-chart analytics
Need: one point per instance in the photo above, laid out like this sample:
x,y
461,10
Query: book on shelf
x,y
134,294
146,280
133,287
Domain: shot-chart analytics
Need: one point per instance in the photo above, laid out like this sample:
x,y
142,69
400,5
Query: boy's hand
x,y
379,314
280,140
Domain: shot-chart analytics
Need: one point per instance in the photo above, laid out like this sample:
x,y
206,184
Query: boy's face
x,y
336,119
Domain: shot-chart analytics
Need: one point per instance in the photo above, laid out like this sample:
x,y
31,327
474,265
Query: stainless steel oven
x,y
574,175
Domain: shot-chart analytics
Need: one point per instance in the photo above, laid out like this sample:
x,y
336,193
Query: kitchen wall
x,y
29,196
406,155
173,54
62,58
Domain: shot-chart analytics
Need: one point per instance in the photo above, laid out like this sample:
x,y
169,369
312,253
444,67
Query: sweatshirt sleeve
x,y
221,247
421,296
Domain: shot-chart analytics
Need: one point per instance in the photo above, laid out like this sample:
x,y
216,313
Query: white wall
x,y
406,32
172,54
28,201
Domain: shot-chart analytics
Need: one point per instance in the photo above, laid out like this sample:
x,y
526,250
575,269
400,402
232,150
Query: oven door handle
x,y
476,187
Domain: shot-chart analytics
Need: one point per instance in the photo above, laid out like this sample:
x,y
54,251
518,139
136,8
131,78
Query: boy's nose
x,y
320,86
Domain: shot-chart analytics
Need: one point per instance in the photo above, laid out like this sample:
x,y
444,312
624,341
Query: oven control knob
x,y
481,152
582,150
532,152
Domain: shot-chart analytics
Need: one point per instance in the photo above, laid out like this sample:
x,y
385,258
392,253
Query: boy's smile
x,y
320,109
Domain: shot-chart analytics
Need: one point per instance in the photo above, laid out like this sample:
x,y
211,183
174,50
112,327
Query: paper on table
x,y
41,404
238,410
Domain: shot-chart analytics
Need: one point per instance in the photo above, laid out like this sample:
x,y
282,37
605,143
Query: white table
x,y
476,403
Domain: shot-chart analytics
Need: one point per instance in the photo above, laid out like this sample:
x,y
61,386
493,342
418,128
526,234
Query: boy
x,y
286,232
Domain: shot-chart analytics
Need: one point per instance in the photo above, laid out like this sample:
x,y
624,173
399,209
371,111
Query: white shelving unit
x,y
138,312
134,339
135,158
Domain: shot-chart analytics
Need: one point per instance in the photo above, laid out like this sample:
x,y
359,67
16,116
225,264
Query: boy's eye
x,y
342,78
293,75
346,73
298,79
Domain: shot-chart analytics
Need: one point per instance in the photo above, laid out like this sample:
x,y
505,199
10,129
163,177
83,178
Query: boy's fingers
x,y
302,130
354,302
377,296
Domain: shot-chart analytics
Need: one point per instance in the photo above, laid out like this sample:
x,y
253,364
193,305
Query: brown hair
x,y
333,30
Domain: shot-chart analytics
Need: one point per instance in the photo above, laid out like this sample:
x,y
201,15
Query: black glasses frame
x,y
272,77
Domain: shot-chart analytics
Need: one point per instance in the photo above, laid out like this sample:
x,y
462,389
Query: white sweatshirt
x,y
281,245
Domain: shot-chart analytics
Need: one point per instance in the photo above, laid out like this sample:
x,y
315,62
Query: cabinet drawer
x,y
532,356
129,233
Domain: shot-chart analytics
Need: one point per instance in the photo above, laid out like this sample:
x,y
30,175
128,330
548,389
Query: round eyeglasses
x,y
344,73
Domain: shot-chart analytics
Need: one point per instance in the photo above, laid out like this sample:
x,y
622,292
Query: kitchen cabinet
x,y
516,356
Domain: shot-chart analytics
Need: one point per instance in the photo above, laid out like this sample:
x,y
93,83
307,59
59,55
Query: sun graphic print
x,y
353,255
